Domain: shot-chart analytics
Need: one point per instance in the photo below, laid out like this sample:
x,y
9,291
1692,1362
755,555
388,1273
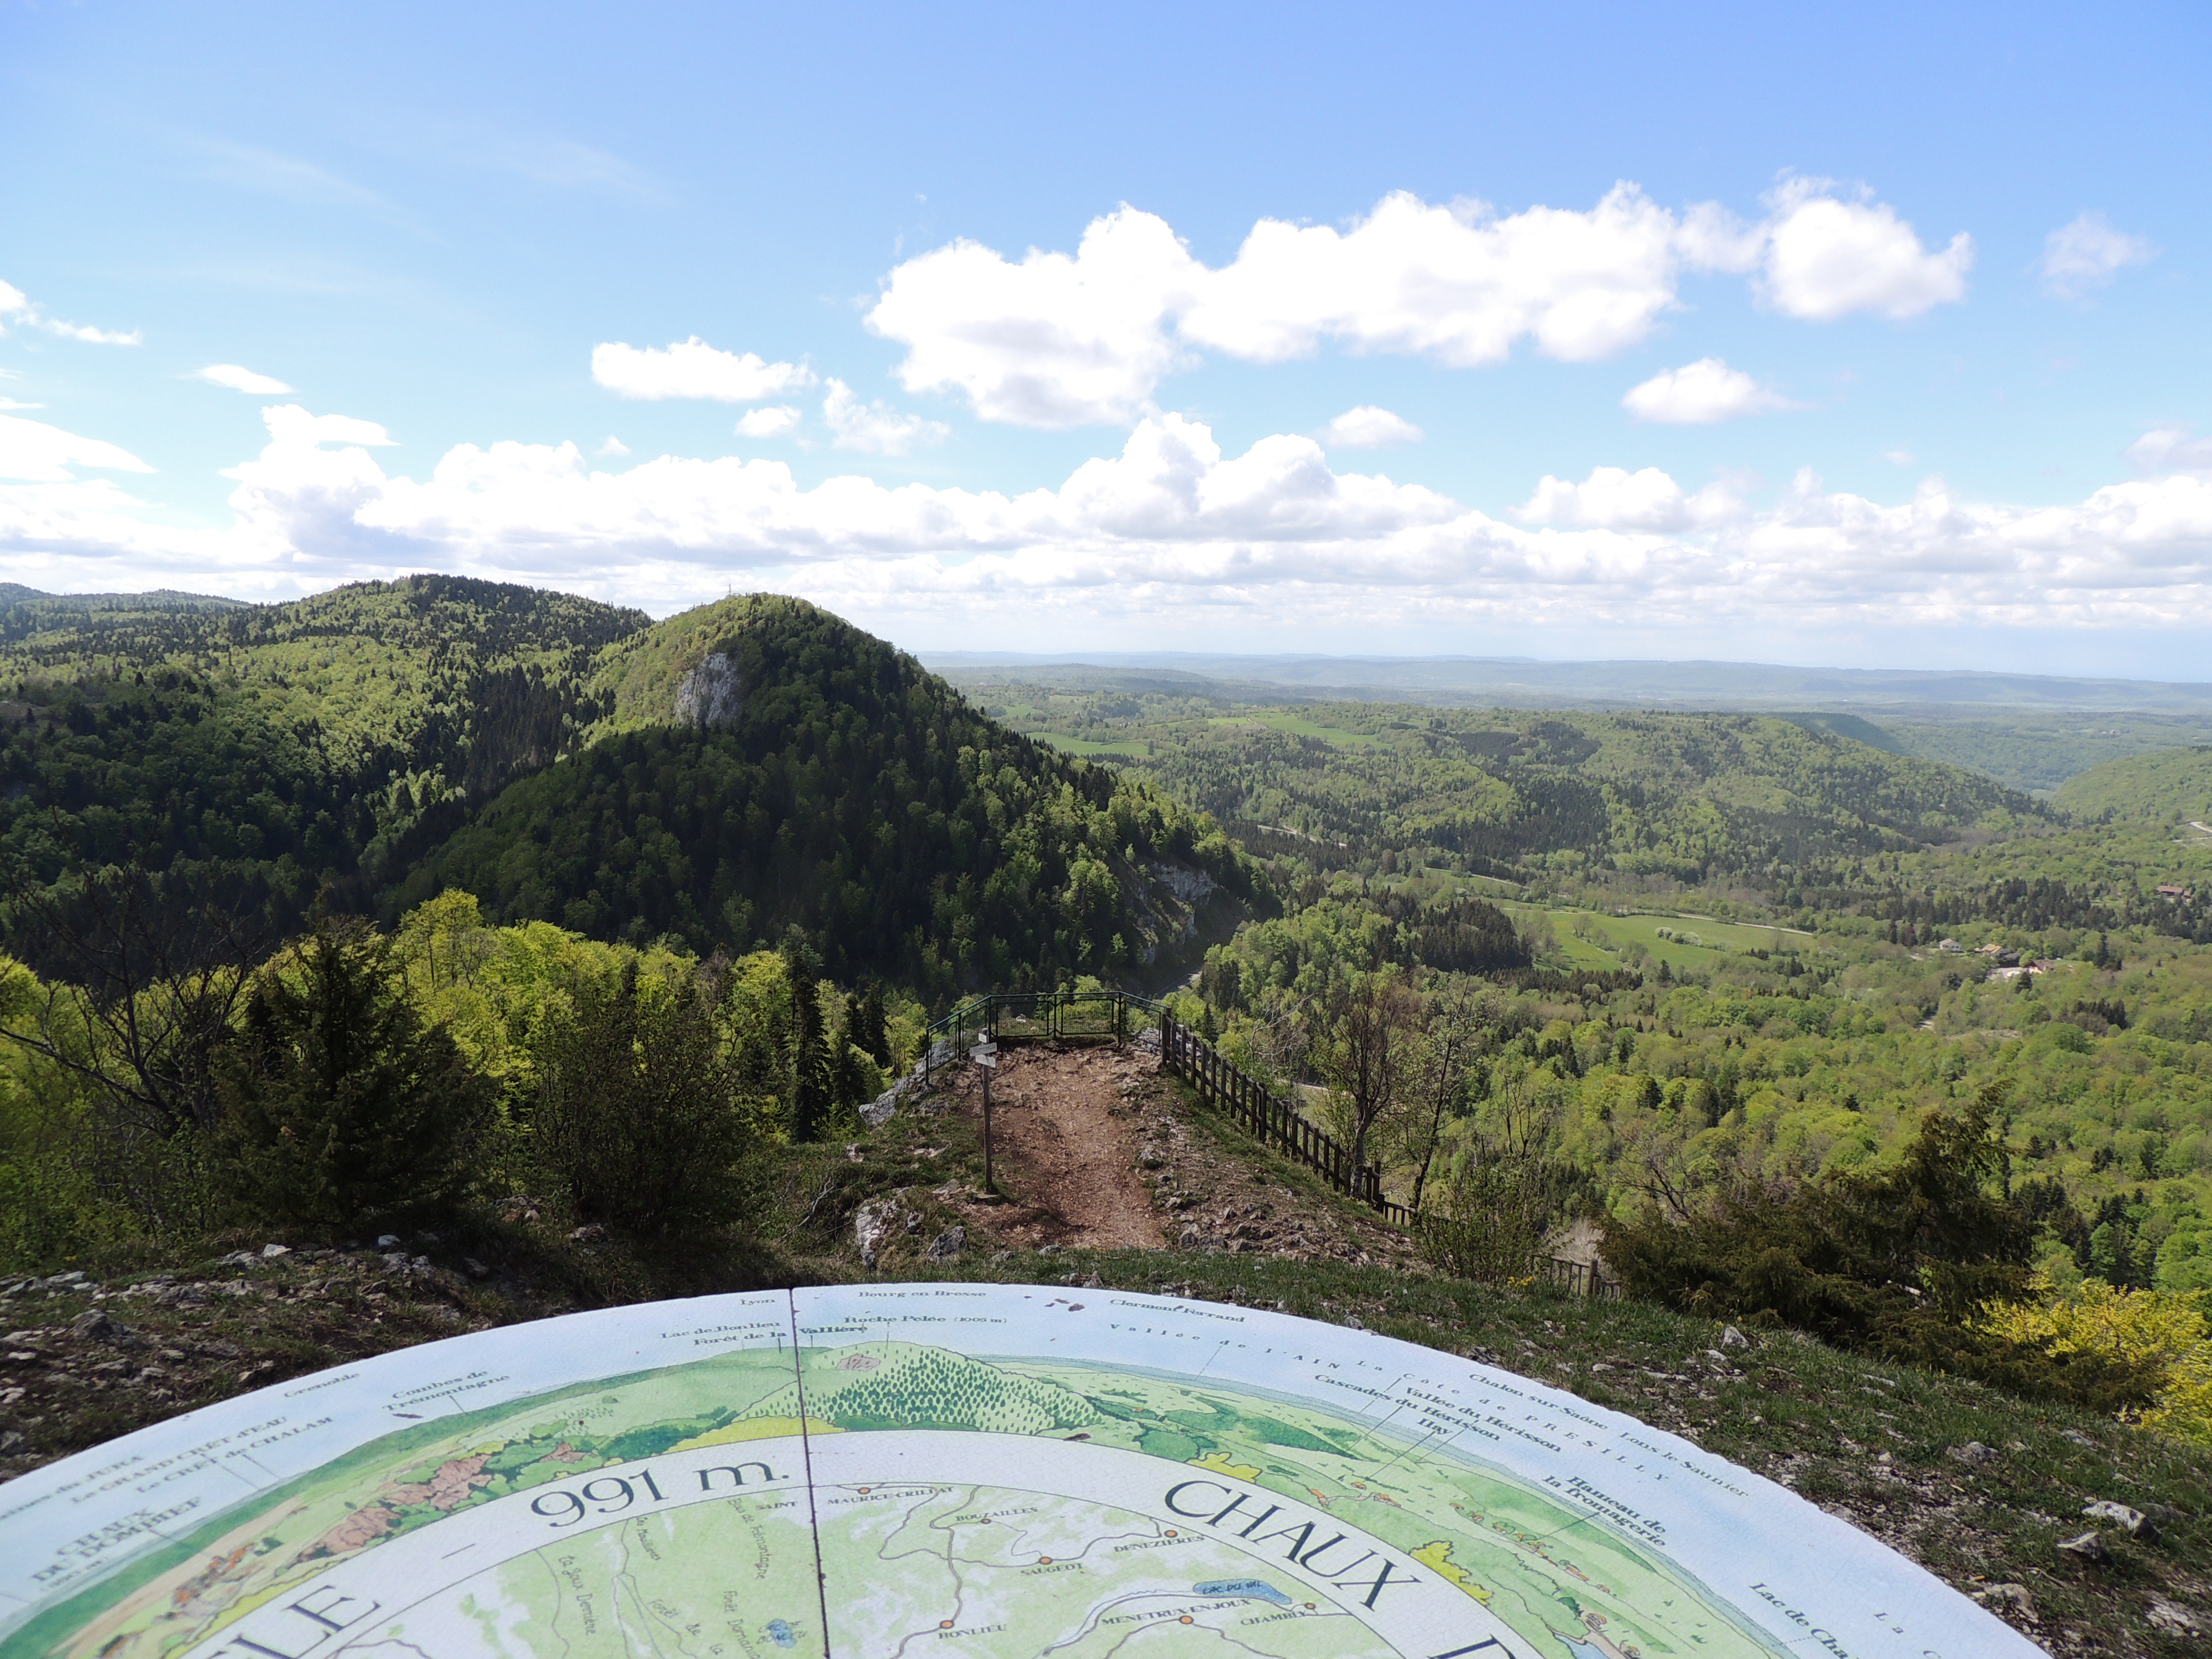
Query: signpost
x,y
986,1055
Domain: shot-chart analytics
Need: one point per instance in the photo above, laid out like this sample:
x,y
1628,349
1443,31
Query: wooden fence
x,y
1011,1016
1272,1119
1276,1122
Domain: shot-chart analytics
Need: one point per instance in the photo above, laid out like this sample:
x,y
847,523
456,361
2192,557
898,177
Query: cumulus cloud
x,y
692,368
2087,253
1456,282
1170,529
1060,340
777,421
1700,393
18,307
1613,498
874,428
33,451
1826,257
614,448
1053,341
1368,427
232,377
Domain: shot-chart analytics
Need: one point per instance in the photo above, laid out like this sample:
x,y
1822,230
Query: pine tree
x,y
848,1084
339,1102
638,1118
812,1095
870,1034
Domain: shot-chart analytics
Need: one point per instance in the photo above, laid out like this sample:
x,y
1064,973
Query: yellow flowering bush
x,y
2164,1330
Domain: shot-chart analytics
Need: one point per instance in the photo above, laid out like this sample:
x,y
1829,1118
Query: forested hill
x,y
2174,785
301,746
1771,801
766,765
734,771
78,616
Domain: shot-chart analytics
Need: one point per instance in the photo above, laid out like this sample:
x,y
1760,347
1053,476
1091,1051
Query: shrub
x,y
1903,1261
638,1118
2163,1334
1495,1215
339,1102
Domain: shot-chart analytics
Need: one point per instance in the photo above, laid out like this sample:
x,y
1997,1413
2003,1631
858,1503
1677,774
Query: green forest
x,y
377,744
431,894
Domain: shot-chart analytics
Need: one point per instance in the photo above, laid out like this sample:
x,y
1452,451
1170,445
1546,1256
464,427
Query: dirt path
x,y
1096,1149
1067,1140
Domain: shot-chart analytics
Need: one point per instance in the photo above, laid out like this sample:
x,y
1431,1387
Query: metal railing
x,y
1014,1016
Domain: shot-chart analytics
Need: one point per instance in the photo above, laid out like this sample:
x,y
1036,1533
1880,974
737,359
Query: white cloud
x,y
293,427
1368,427
1900,457
1169,533
1060,340
777,421
232,377
1700,393
692,368
91,336
1456,283
874,428
1053,341
16,306
1825,258
1613,498
2171,449
40,453
2087,253
614,447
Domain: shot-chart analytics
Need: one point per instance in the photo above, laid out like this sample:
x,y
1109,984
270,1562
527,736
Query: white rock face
x,y
712,693
1191,886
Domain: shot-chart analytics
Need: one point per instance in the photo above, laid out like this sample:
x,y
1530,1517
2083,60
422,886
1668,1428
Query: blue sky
x,y
1858,438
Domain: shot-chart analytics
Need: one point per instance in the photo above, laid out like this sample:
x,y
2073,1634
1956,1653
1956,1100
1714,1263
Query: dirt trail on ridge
x,y
1096,1149
1066,1137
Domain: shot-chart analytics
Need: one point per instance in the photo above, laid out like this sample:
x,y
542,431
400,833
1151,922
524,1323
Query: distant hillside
x,y
300,746
2173,785
2056,729
1775,802
1851,726
764,765
122,618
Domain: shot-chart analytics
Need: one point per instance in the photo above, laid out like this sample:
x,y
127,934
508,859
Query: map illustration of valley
x,y
956,1471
